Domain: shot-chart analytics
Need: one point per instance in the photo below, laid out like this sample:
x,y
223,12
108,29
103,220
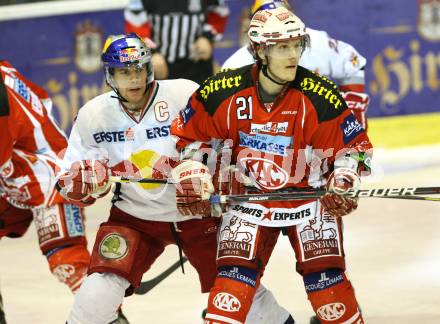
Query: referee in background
x,y
181,33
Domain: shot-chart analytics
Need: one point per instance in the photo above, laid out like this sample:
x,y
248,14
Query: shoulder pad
x,y
322,92
4,103
223,85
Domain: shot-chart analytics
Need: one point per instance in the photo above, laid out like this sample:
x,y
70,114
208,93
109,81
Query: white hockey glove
x,y
193,188
85,181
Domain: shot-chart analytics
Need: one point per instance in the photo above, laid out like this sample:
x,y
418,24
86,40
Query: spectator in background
x,y
182,34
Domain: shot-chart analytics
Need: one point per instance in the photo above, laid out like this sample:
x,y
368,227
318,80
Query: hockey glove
x,y
230,181
85,181
193,188
339,183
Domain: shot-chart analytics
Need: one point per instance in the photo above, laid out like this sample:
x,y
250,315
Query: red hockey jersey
x,y
30,141
292,144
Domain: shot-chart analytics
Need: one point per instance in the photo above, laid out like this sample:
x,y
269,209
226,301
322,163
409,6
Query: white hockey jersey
x,y
329,57
103,129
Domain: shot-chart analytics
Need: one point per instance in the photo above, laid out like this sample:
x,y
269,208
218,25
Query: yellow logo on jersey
x,y
215,85
309,84
145,161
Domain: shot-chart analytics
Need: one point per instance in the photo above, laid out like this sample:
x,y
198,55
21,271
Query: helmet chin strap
x,y
265,70
120,97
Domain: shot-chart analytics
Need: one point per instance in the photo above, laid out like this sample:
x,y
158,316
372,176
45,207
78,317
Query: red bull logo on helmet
x,y
129,54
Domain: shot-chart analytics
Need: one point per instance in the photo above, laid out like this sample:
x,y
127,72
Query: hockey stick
x,y
147,285
139,180
410,193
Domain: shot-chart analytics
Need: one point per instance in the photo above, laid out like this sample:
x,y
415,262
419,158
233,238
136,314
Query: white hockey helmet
x,y
271,26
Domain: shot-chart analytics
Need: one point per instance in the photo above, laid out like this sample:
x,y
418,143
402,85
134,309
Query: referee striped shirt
x,y
175,25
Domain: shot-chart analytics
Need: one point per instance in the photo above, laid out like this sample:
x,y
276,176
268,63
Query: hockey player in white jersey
x,y
327,56
127,132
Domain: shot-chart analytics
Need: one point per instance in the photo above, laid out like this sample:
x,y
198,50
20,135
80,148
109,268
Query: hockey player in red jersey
x,y
329,57
285,127
31,143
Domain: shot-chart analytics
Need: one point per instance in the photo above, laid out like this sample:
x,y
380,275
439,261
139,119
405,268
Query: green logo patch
x,y
113,246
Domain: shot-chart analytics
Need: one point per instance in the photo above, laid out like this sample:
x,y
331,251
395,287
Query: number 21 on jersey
x,y
244,107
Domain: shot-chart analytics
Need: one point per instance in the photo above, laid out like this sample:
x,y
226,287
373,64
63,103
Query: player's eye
x,y
139,69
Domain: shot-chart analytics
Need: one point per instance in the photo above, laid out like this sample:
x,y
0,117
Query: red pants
x,y
317,244
14,221
128,246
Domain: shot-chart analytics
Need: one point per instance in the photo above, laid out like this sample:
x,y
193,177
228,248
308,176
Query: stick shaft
x,y
146,286
139,180
411,193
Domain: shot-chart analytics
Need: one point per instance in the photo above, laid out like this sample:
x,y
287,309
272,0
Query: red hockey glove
x,y
230,181
85,181
358,104
193,188
340,182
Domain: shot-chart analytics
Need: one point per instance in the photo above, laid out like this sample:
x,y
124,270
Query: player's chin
x,y
135,94
290,73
